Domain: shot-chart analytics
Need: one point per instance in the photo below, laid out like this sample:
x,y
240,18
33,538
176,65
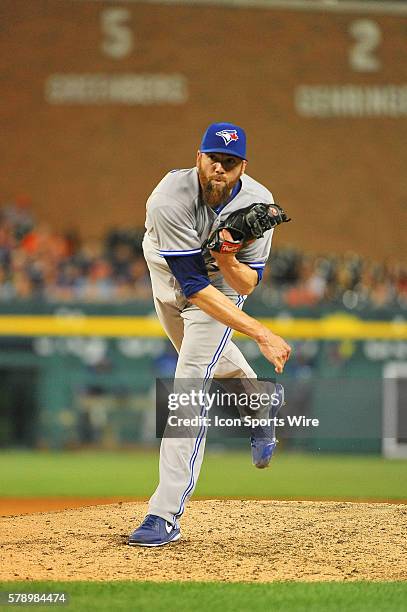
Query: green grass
x,y
185,597
228,474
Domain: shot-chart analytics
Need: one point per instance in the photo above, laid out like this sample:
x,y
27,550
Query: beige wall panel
x,y
91,165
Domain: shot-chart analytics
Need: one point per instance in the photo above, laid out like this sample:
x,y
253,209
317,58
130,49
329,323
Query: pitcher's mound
x,y
222,540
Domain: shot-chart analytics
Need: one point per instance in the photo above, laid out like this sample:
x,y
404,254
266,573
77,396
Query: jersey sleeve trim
x,y
255,264
178,253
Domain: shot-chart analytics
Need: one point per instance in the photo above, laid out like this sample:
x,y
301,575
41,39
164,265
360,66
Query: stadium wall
x,y
67,385
100,99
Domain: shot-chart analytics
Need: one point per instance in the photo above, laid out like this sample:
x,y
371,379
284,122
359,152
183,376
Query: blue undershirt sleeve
x,y
259,274
190,271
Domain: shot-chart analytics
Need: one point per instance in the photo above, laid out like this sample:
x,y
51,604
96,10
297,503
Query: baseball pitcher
x,y
208,237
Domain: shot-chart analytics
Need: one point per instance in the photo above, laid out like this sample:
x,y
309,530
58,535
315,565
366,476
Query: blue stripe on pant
x,y
203,428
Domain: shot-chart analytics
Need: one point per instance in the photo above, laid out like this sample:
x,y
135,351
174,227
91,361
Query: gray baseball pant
x,y
205,351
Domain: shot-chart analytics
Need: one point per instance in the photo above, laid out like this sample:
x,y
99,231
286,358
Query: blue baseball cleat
x,y
155,531
263,440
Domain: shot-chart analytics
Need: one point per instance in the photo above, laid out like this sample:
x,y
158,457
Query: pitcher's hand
x,y
275,349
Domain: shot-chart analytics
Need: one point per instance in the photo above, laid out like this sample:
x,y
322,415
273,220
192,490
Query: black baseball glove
x,y
246,225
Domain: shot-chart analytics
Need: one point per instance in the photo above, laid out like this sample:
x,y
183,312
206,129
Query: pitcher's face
x,y
218,174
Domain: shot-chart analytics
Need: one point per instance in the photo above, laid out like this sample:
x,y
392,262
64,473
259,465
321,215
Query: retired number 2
x,y
368,36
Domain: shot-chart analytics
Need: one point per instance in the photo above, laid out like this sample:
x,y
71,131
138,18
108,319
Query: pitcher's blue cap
x,y
224,138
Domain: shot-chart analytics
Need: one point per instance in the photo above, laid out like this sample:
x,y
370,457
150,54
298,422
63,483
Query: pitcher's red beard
x,y
215,193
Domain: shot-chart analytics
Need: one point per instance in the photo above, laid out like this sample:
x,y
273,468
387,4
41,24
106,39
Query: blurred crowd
x,y
298,280
39,263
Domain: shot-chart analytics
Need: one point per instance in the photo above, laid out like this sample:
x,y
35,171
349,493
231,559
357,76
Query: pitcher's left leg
x,y
181,458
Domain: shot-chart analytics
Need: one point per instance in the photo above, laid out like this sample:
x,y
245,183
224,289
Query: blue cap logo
x,y
228,136
224,138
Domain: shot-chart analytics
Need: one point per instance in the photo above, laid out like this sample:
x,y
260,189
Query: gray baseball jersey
x,y
177,224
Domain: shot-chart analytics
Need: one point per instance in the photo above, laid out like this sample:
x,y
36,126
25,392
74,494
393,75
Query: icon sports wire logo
x,y
228,136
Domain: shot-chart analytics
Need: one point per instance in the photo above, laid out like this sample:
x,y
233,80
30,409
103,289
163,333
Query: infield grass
x,y
224,474
196,596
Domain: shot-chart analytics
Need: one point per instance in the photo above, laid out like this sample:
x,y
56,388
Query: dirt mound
x,y
232,540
